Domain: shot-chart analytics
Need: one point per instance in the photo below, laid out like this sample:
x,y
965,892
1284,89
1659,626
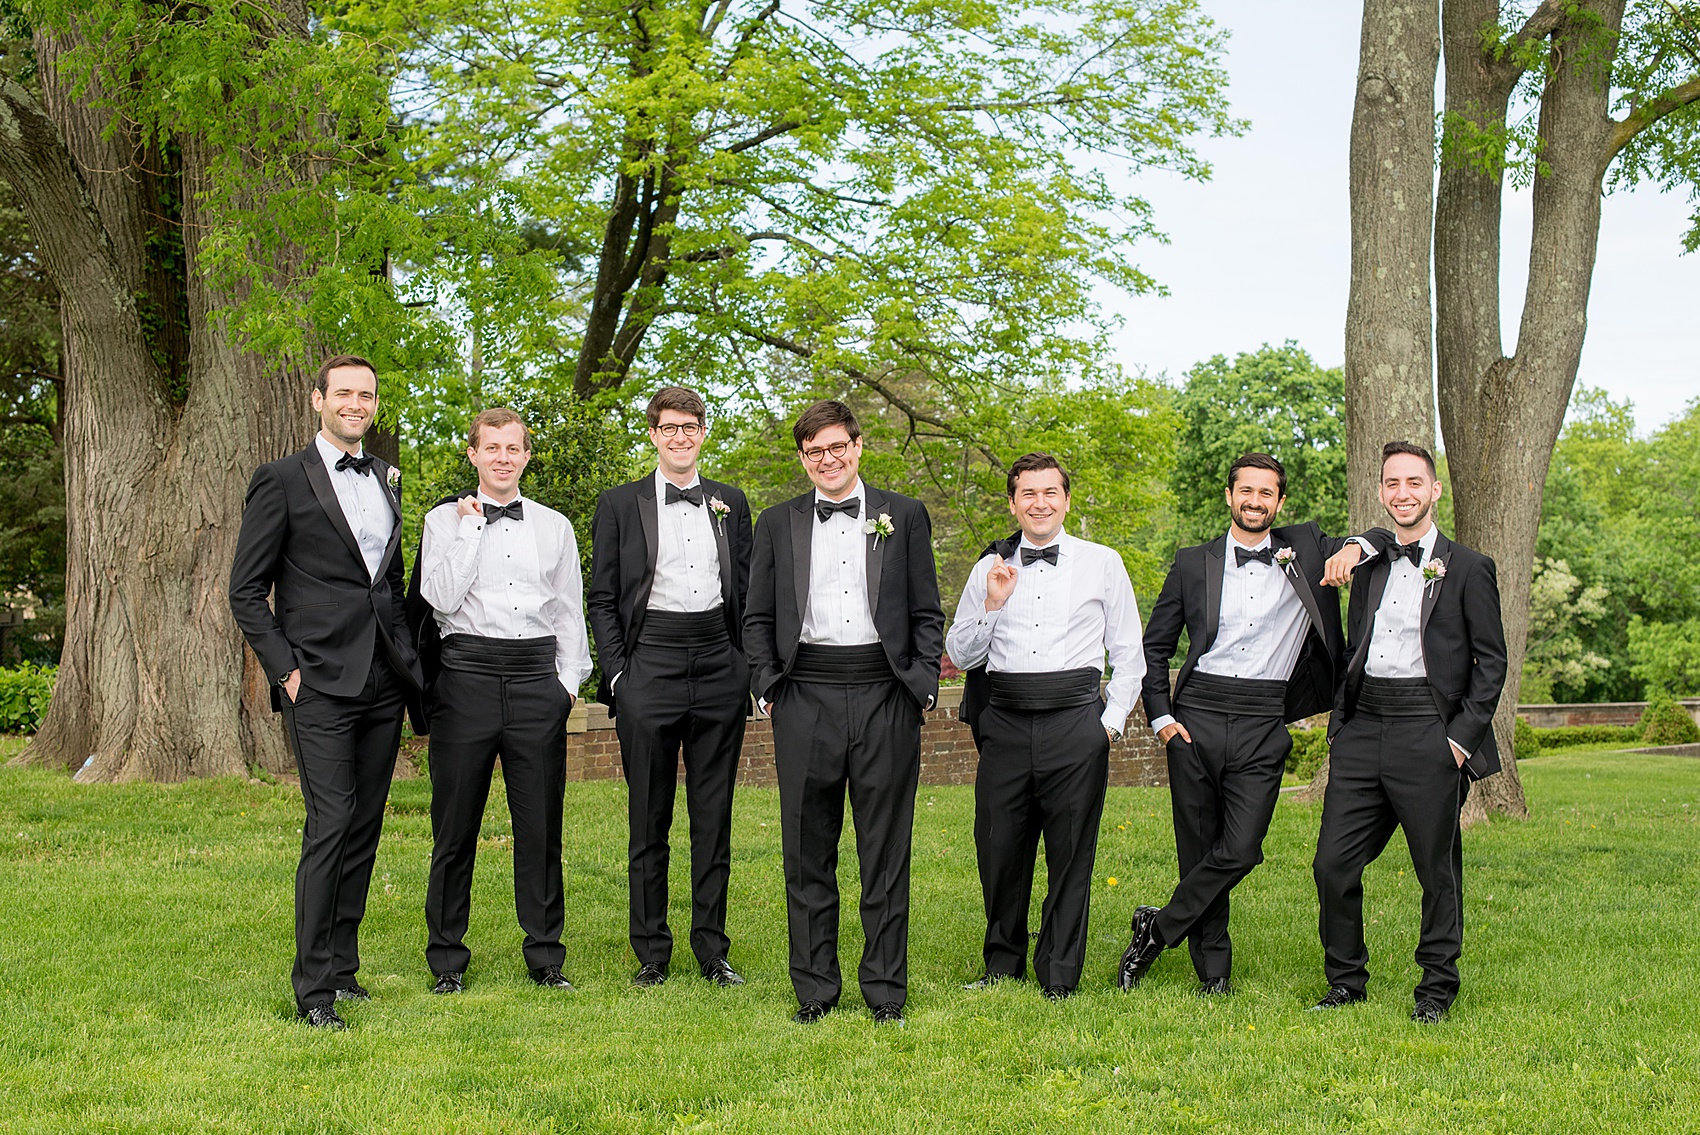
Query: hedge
x,y
24,694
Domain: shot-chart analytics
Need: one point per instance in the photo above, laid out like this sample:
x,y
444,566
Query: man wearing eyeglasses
x,y
670,565
844,634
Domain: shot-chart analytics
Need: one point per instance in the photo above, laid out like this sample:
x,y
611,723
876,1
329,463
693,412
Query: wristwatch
x,y
1115,734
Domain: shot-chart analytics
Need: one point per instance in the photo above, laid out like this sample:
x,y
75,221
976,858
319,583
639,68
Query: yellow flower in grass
x,y
1112,880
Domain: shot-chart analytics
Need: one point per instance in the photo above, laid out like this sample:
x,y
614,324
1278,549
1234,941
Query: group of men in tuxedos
x,y
829,613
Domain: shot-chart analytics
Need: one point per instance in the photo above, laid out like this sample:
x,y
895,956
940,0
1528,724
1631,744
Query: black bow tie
x,y
511,510
692,495
1244,556
361,464
825,509
1030,556
1412,552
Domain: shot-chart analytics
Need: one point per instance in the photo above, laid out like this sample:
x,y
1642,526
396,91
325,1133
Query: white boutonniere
x,y
394,478
1433,572
719,508
1284,559
879,527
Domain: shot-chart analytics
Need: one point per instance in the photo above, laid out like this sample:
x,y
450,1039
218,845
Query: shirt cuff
x,y
615,680
1460,748
1162,723
1115,717
1369,552
472,525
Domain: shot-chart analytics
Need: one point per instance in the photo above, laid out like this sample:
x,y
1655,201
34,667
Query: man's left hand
x,y
1458,754
1338,569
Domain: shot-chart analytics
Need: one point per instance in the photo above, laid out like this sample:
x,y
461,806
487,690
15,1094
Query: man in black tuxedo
x,y
322,528
1412,726
670,566
1263,627
844,633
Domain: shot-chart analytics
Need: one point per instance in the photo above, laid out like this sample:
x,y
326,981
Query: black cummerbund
x,y
503,657
841,665
1043,691
1237,697
1396,697
690,629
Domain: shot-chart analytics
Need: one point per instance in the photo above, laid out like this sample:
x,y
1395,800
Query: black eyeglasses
x,y
818,454
670,429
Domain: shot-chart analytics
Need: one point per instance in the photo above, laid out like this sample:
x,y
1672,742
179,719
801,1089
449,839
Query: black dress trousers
x,y
866,738
476,717
694,699
1223,788
1039,774
345,750
1383,773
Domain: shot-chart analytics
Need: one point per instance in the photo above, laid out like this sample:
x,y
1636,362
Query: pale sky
x,y
1261,252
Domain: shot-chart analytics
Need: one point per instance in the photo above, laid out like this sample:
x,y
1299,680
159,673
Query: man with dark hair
x,y
1040,613
1263,624
501,574
844,633
670,566
1412,726
321,534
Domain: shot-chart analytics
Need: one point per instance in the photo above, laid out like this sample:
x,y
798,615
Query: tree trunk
x,y
1389,330
152,682
1389,333
1501,416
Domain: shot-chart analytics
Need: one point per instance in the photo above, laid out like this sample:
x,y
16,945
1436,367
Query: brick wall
x,y
947,749
1596,713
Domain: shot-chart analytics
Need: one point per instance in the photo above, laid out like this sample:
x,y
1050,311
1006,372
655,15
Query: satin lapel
x,y
802,543
876,550
722,543
1431,591
380,469
1302,587
1377,583
1214,553
320,478
649,516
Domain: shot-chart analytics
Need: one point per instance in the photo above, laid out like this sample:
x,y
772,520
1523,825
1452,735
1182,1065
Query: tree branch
x,y
1542,22
1642,117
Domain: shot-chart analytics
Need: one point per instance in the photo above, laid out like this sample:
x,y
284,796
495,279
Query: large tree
x,y
1611,88
130,134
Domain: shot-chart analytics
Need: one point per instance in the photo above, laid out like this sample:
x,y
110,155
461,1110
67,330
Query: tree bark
x,y
1389,332
1501,415
152,681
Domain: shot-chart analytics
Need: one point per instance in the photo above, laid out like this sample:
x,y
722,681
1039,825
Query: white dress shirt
x,y
361,496
508,579
1062,616
1396,644
1261,629
687,560
838,613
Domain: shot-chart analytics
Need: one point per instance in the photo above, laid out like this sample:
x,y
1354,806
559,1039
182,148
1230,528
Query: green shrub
x,y
1569,736
1524,742
1666,722
1310,749
24,694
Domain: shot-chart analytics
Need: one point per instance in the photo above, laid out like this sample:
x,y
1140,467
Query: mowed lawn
x,y
145,944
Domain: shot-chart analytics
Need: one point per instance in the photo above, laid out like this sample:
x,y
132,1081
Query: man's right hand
x,y
291,685
1000,584
1167,733
469,506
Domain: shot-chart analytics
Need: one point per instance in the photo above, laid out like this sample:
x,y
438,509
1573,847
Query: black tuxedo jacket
x,y
328,616
1192,598
903,591
624,546
1463,648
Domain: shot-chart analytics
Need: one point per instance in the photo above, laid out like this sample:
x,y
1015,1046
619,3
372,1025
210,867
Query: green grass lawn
x,y
145,945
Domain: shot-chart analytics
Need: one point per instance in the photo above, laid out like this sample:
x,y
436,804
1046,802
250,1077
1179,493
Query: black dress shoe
x,y
1428,1012
989,979
451,982
720,971
353,991
1215,987
649,975
1058,993
811,1011
1141,953
549,977
322,1017
891,1013
1336,996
